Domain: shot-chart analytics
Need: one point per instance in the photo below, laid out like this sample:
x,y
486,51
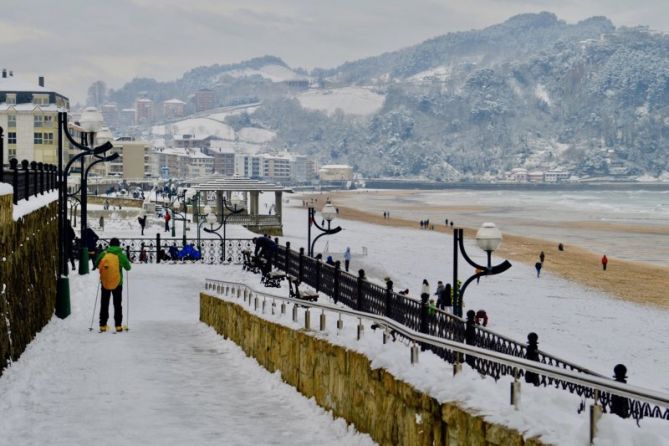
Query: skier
x,y
347,258
111,263
605,261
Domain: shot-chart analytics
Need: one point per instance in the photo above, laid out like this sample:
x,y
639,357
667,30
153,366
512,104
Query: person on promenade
x,y
440,291
347,258
330,261
90,241
425,291
174,252
446,298
605,261
542,257
266,248
142,222
481,318
111,262
143,256
538,266
69,242
167,220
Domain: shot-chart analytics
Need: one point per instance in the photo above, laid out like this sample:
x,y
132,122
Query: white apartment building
x,y
29,117
181,162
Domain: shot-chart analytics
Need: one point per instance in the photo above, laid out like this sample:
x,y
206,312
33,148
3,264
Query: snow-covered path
x,y
169,381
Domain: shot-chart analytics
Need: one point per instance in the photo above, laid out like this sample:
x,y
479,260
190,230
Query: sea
x,y
630,223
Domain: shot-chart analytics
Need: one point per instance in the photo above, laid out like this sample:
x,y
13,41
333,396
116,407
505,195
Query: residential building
x,y
128,117
29,116
535,177
554,176
336,172
144,107
224,160
181,162
111,114
248,165
204,99
134,160
173,108
276,167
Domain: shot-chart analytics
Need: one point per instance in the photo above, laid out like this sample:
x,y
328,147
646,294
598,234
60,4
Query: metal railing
x,y
642,402
29,179
360,294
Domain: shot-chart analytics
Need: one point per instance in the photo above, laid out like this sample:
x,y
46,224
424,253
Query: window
x,y
12,152
11,138
48,121
38,120
48,138
11,98
38,138
11,120
40,100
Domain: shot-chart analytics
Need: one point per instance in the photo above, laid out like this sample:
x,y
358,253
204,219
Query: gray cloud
x,y
76,42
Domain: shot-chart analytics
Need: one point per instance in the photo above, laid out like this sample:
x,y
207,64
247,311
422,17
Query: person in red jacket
x,y
167,220
604,262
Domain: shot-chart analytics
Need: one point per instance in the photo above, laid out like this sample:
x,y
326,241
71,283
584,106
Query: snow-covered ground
x,y
174,380
351,100
170,380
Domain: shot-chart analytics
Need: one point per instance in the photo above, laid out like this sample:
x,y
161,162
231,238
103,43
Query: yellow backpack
x,y
110,271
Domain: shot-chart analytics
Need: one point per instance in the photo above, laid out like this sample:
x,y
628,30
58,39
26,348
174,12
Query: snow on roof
x,y
174,101
336,166
14,84
31,107
144,100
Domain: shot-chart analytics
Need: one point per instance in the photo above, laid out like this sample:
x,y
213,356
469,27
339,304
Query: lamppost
x,y
328,213
488,238
91,122
63,294
234,210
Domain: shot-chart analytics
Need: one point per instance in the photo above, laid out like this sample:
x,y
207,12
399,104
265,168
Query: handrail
x,y
582,379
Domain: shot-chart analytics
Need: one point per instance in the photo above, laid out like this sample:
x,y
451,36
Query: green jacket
x,y
123,261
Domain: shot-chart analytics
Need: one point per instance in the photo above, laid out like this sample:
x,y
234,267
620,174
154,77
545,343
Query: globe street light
x,y
212,219
328,213
488,238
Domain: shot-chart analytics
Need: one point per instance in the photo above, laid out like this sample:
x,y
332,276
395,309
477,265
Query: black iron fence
x,y
359,293
29,179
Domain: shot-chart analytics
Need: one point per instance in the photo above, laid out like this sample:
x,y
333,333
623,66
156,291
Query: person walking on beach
x,y
542,257
538,266
111,262
605,260
347,258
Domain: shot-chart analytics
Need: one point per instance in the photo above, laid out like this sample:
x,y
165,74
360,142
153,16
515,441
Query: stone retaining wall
x,y
28,272
344,382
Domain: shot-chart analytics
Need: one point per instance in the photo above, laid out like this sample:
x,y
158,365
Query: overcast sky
x,y
75,42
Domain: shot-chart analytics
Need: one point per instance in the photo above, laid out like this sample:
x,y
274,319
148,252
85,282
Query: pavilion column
x,y
254,202
278,197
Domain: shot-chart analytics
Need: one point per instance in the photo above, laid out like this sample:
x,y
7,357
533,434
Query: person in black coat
x,y
265,248
142,222
90,242
69,242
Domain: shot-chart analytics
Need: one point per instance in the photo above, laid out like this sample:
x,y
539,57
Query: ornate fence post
x,y
54,176
40,167
158,250
286,262
389,298
532,353
470,336
335,287
33,167
359,296
318,275
300,272
127,252
14,166
620,405
26,178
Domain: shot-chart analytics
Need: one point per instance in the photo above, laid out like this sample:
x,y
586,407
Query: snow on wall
x,y
25,207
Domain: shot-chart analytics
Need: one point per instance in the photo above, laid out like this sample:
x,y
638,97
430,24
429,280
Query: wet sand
x,y
632,281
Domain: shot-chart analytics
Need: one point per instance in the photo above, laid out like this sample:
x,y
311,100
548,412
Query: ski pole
x,y
95,306
127,301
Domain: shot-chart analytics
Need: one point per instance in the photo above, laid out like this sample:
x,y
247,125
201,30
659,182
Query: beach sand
x,y
632,281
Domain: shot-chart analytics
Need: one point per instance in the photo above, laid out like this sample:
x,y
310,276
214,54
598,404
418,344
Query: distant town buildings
x,y
336,172
520,175
173,108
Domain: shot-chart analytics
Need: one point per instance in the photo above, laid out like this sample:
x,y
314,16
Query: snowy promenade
x,y
169,381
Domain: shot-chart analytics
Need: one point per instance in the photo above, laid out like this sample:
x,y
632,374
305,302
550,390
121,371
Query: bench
x,y
295,291
250,262
273,279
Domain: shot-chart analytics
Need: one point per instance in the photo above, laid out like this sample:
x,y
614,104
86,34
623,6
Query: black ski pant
x,y
104,305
